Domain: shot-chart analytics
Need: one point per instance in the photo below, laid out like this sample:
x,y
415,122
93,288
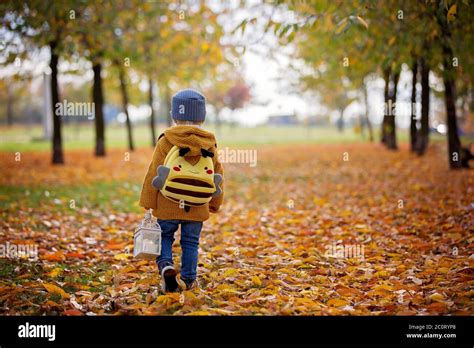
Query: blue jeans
x,y
190,231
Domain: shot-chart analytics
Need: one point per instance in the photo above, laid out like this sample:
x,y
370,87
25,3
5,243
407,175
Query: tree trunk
x,y
123,89
367,120
454,143
58,157
413,121
386,77
471,103
362,125
98,97
423,135
340,121
218,123
9,105
152,114
391,129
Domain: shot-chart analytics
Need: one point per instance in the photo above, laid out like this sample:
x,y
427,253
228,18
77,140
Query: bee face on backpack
x,y
183,167
180,181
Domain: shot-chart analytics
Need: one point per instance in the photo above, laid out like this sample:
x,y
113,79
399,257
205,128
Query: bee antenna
x,y
206,153
184,151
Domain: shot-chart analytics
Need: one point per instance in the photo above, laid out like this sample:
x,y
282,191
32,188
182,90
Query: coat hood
x,y
190,136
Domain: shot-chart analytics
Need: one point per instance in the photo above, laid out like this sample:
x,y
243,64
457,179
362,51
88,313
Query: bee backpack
x,y
187,184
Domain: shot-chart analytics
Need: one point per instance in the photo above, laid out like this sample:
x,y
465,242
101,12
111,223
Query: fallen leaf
x,y
54,289
122,257
337,302
73,312
256,280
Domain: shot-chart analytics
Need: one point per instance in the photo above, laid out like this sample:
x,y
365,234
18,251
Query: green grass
x,y
6,268
105,197
23,139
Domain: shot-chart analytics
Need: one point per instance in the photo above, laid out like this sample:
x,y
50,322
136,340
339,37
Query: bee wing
x,y
159,180
217,182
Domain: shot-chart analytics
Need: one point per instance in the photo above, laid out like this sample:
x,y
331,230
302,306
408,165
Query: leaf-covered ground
x,y
275,248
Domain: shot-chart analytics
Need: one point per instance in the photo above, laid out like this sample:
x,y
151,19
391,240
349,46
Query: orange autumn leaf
x,y
337,302
57,256
75,255
114,246
54,289
437,307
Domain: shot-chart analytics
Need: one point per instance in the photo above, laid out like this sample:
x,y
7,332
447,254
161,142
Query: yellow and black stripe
x,y
190,190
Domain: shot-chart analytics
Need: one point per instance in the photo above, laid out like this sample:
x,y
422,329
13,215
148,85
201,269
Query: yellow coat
x,y
182,136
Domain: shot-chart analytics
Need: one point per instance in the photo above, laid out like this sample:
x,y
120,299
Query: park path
x,y
311,229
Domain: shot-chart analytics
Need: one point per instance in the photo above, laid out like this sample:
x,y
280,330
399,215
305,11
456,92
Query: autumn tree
x,y
174,50
237,96
444,16
43,24
93,35
123,55
398,32
152,18
195,50
220,91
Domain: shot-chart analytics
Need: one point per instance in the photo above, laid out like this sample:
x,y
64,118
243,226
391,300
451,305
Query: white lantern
x,y
147,239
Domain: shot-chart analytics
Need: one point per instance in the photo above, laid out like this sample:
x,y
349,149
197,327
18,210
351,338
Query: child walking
x,y
183,193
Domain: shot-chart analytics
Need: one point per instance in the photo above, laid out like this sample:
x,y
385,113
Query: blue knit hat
x,y
188,105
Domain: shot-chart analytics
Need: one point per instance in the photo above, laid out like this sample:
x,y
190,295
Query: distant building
x,y
282,120
110,113
315,121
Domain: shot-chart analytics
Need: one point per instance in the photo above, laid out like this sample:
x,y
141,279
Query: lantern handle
x,y
147,218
